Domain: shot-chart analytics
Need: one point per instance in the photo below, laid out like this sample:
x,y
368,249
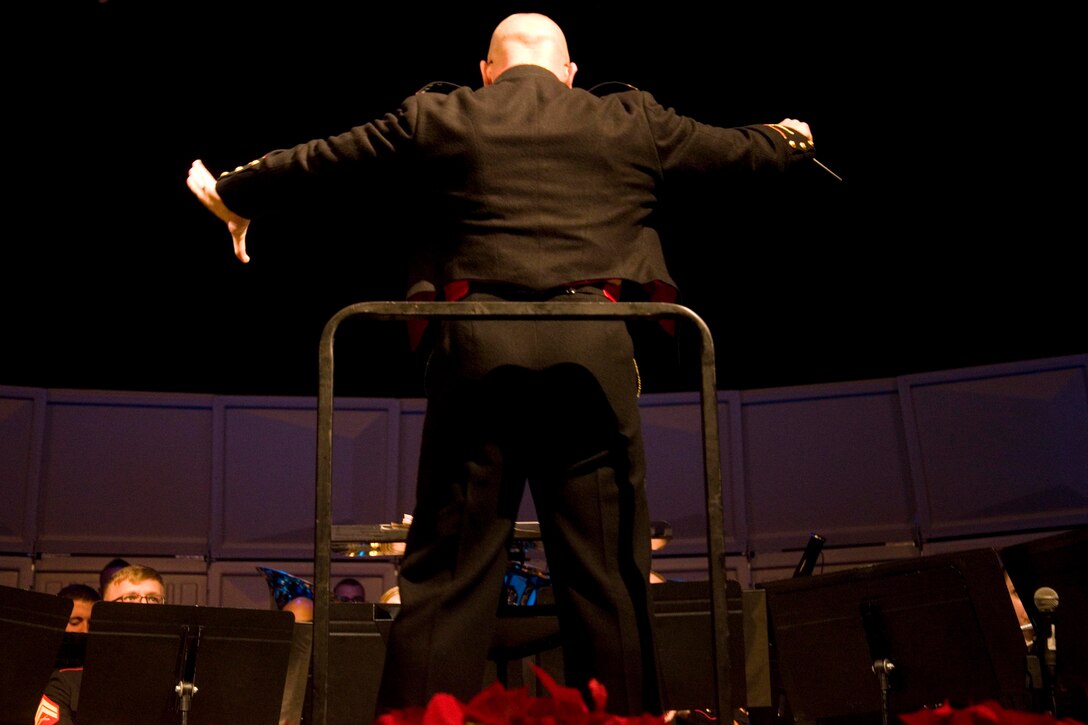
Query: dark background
x,y
954,239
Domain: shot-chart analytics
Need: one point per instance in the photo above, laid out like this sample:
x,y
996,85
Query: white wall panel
x,y
126,472
22,417
411,437
826,459
675,473
269,472
1000,448
16,572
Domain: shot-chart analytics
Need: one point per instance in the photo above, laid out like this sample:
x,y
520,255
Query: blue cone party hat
x,y
285,587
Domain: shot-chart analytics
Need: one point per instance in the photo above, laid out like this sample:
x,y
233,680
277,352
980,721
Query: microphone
x,y
1046,599
1046,603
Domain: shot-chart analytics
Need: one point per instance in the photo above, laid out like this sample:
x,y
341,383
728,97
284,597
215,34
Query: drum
x,y
523,583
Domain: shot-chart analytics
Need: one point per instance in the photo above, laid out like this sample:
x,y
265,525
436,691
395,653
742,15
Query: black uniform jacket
x,y
531,183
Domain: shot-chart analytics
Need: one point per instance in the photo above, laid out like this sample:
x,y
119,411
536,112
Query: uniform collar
x,y
526,71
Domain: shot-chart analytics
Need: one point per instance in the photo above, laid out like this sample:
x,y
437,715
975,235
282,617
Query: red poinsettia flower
x,y
496,705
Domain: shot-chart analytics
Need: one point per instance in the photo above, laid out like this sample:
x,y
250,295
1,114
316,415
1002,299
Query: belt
x,y
462,288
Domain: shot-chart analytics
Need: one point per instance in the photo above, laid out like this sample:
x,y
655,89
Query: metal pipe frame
x,y
715,520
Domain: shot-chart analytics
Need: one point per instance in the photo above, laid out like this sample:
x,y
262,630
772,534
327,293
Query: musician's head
x,y
302,608
83,598
349,590
135,584
528,39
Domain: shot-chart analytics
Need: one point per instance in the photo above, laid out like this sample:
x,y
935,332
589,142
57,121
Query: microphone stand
x,y
883,669
876,635
1049,645
1033,674
186,670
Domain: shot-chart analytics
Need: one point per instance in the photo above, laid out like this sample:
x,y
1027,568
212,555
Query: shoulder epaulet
x,y
438,87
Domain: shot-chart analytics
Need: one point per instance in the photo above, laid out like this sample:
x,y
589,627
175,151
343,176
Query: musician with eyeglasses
x,y
133,584
349,590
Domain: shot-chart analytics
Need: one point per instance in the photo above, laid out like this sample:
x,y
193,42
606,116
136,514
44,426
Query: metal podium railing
x,y
715,519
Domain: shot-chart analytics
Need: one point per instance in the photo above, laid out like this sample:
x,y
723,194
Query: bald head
x,y
528,39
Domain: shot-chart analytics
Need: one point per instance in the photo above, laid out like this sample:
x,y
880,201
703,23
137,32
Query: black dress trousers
x,y
554,404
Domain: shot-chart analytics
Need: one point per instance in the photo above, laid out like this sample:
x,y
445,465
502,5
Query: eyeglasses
x,y
137,598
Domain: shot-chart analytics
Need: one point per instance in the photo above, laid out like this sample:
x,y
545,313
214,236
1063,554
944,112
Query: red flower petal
x,y
407,716
599,694
570,708
444,709
497,706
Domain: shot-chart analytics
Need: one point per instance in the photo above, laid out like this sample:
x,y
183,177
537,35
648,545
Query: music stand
x,y
888,639
186,664
683,631
32,629
357,656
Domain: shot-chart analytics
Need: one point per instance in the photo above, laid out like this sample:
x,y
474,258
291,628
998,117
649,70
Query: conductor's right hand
x,y
799,126
202,184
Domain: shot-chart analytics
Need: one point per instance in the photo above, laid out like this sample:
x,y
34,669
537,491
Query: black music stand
x,y
358,633
184,664
357,655
872,643
684,634
32,629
